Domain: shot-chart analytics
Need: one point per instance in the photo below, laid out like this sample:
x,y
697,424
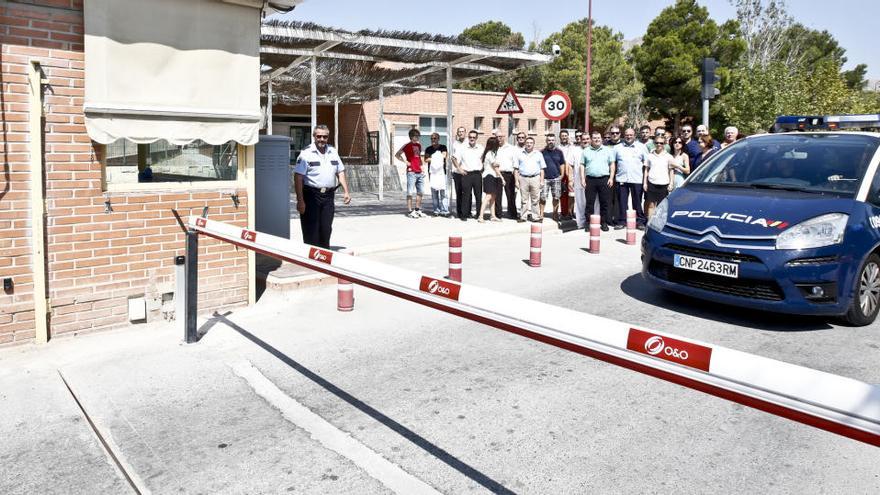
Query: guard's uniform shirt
x,y
319,185
319,169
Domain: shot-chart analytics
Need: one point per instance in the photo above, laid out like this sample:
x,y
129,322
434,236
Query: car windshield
x,y
812,163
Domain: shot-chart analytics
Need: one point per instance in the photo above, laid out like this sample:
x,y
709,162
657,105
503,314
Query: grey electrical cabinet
x,y
272,167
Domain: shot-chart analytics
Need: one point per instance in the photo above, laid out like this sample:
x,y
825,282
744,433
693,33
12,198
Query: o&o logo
x,y
440,288
321,255
669,349
249,235
201,222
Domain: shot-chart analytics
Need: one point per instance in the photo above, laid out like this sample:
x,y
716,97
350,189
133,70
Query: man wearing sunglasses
x,y
691,145
612,141
315,179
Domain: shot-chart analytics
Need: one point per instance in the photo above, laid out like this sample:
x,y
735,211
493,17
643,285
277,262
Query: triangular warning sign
x,y
509,103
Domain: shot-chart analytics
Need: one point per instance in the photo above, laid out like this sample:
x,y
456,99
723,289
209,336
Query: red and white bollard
x,y
595,221
535,246
630,227
455,258
344,290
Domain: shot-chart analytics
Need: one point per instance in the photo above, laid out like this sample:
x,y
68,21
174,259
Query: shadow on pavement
x,y
398,428
366,204
636,287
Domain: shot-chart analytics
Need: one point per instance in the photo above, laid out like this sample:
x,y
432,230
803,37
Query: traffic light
x,y
710,78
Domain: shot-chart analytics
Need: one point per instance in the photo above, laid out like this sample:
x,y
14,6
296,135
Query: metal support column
x,y
336,124
450,135
383,138
269,96
191,294
314,94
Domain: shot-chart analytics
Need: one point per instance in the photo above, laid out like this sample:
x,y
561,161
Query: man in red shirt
x,y
411,153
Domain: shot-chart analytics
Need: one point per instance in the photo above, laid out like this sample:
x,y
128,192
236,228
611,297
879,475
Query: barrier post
x,y
535,246
191,294
455,258
595,220
630,227
345,290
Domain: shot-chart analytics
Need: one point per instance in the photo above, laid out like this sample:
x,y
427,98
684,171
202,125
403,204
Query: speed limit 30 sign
x,y
556,105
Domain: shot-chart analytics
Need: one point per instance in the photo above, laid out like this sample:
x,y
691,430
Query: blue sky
x,y
852,22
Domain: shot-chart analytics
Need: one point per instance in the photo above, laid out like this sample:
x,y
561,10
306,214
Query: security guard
x,y
315,176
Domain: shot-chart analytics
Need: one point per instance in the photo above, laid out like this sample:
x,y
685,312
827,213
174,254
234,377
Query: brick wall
x,y
96,260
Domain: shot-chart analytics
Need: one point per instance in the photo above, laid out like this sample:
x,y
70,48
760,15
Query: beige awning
x,y
178,70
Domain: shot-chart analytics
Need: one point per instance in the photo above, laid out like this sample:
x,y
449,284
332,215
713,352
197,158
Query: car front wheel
x,y
866,299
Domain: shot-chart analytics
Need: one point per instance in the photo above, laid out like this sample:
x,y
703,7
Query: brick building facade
x,y
471,109
102,248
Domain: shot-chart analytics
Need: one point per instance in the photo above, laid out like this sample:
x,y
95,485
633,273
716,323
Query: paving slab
x,y
47,445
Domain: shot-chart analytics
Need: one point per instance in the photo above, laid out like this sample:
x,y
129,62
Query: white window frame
x,y
239,182
428,132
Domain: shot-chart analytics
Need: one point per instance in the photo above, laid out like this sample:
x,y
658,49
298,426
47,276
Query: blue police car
x,y
781,222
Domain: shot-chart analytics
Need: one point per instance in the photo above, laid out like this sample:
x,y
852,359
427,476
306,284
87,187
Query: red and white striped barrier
x,y
595,237
535,245
344,290
455,258
630,227
838,404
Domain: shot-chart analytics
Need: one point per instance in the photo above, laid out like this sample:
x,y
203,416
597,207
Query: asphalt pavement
x,y
291,395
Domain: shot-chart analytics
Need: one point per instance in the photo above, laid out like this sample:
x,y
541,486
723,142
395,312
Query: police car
x,y
784,222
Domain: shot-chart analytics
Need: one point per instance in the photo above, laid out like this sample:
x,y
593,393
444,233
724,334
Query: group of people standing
x,y
610,173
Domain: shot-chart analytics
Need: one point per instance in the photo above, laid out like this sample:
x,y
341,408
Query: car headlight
x,y
658,219
824,230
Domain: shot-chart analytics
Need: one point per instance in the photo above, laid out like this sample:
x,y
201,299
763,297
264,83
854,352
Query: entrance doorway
x,y
297,129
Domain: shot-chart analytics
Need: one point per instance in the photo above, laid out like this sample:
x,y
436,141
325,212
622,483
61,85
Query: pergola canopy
x,y
352,66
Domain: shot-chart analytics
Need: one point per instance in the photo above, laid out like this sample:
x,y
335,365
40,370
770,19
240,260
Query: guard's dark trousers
x,y
317,221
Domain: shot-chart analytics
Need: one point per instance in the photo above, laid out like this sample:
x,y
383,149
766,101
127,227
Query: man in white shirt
x,y
507,159
470,164
457,143
530,176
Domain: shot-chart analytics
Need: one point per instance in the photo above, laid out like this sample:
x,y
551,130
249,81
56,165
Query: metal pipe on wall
x,y
269,96
450,136
383,137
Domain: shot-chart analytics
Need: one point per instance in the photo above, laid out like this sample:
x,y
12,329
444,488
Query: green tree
x,y
498,34
855,77
757,96
493,33
786,69
805,46
613,85
669,59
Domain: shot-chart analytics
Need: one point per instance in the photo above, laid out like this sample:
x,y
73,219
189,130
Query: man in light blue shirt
x,y
629,161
